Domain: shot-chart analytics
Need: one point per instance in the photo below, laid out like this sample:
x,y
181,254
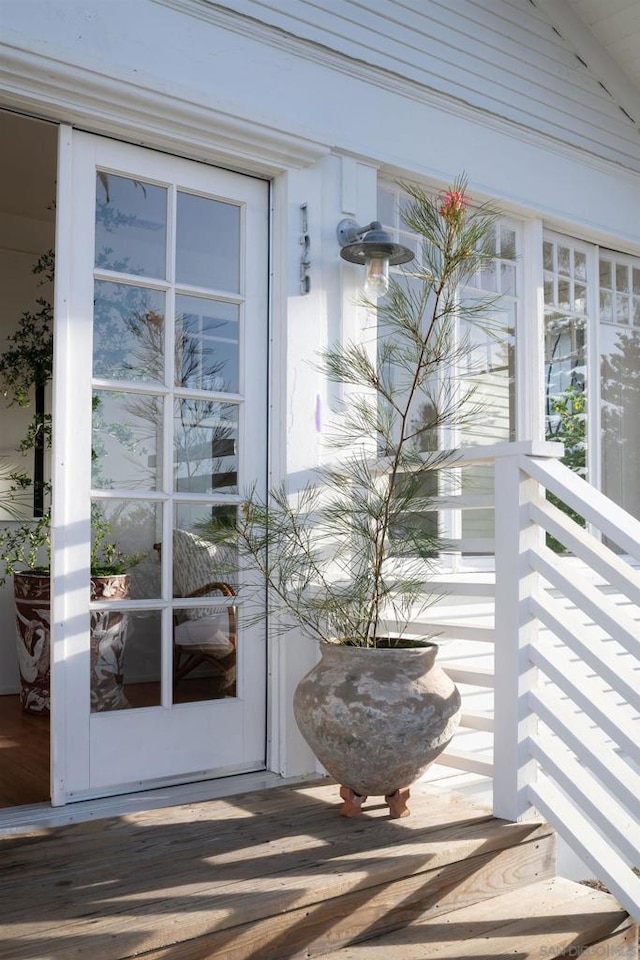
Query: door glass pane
x,y
128,334
566,367
620,397
205,446
204,635
127,440
207,345
207,243
125,535
125,658
131,226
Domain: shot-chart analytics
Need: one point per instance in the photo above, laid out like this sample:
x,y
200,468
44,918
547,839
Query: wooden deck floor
x,y
243,876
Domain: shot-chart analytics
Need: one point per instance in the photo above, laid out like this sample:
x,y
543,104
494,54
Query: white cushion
x,y
209,634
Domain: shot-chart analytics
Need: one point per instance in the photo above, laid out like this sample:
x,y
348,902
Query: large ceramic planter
x,y
33,628
376,718
33,632
108,638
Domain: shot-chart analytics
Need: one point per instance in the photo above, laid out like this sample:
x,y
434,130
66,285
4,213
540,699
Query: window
x,y
487,367
592,363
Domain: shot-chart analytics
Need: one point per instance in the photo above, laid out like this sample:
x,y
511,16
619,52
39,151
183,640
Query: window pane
x,y
622,309
205,447
126,533
622,277
580,298
564,294
207,344
125,659
207,243
564,260
547,255
606,313
605,274
126,446
131,226
507,243
620,378
128,336
579,265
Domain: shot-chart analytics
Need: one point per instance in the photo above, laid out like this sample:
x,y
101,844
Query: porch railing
x,y
550,651
567,666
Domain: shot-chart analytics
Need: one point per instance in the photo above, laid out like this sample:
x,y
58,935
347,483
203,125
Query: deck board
x,y
219,876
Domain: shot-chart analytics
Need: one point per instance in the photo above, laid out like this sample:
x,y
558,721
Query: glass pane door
x,y
173,272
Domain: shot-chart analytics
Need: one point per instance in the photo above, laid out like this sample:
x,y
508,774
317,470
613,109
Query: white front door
x,y
159,424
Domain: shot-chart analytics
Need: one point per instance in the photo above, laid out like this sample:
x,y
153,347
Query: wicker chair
x,y
201,635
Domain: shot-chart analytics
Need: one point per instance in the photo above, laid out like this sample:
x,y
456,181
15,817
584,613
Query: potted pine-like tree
x,y
348,558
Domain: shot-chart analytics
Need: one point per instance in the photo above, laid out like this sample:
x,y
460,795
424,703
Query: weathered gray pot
x,y
376,719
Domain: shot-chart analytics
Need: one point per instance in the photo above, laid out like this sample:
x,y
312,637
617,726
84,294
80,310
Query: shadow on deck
x,y
272,874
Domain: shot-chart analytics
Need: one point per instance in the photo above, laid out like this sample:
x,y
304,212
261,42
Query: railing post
x,y
515,629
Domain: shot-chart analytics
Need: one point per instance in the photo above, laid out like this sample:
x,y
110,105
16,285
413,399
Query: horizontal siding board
x,y
502,57
542,50
397,41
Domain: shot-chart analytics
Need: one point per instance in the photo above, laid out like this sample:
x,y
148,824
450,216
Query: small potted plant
x,y
354,550
26,367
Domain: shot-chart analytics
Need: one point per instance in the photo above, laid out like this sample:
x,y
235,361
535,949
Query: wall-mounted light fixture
x,y
372,247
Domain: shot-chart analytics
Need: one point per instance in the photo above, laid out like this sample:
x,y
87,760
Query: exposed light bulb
x,y
376,281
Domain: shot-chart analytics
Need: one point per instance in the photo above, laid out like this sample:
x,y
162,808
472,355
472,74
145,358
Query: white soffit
x,y
616,26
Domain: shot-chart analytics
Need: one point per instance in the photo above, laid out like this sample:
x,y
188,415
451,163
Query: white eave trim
x,y
66,93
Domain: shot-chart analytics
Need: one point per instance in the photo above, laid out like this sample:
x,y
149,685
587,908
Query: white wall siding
x,y
502,56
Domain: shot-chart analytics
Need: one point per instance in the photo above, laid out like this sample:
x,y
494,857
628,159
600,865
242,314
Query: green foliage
x,y
567,425
27,547
26,364
354,547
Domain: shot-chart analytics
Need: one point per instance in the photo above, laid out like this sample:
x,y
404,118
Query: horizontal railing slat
x,y
606,516
568,628
585,546
607,765
595,604
466,761
597,803
586,696
571,824
475,677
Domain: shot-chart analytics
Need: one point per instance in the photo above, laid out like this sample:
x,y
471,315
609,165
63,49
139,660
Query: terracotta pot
x,y
33,634
377,718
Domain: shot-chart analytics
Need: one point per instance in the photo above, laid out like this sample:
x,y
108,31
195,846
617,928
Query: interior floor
x,y
24,755
24,737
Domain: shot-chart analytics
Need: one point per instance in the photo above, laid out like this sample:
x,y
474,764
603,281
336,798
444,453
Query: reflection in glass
x,y
622,277
204,635
125,659
605,273
125,532
204,653
131,226
507,243
620,385
128,332
205,446
207,243
126,448
207,334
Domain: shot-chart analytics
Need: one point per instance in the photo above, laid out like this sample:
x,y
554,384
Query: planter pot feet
x,y
352,806
398,803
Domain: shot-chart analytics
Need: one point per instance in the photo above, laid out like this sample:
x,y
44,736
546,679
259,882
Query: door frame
x,y
71,526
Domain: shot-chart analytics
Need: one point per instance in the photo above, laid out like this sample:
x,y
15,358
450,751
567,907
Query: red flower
x,y
453,204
